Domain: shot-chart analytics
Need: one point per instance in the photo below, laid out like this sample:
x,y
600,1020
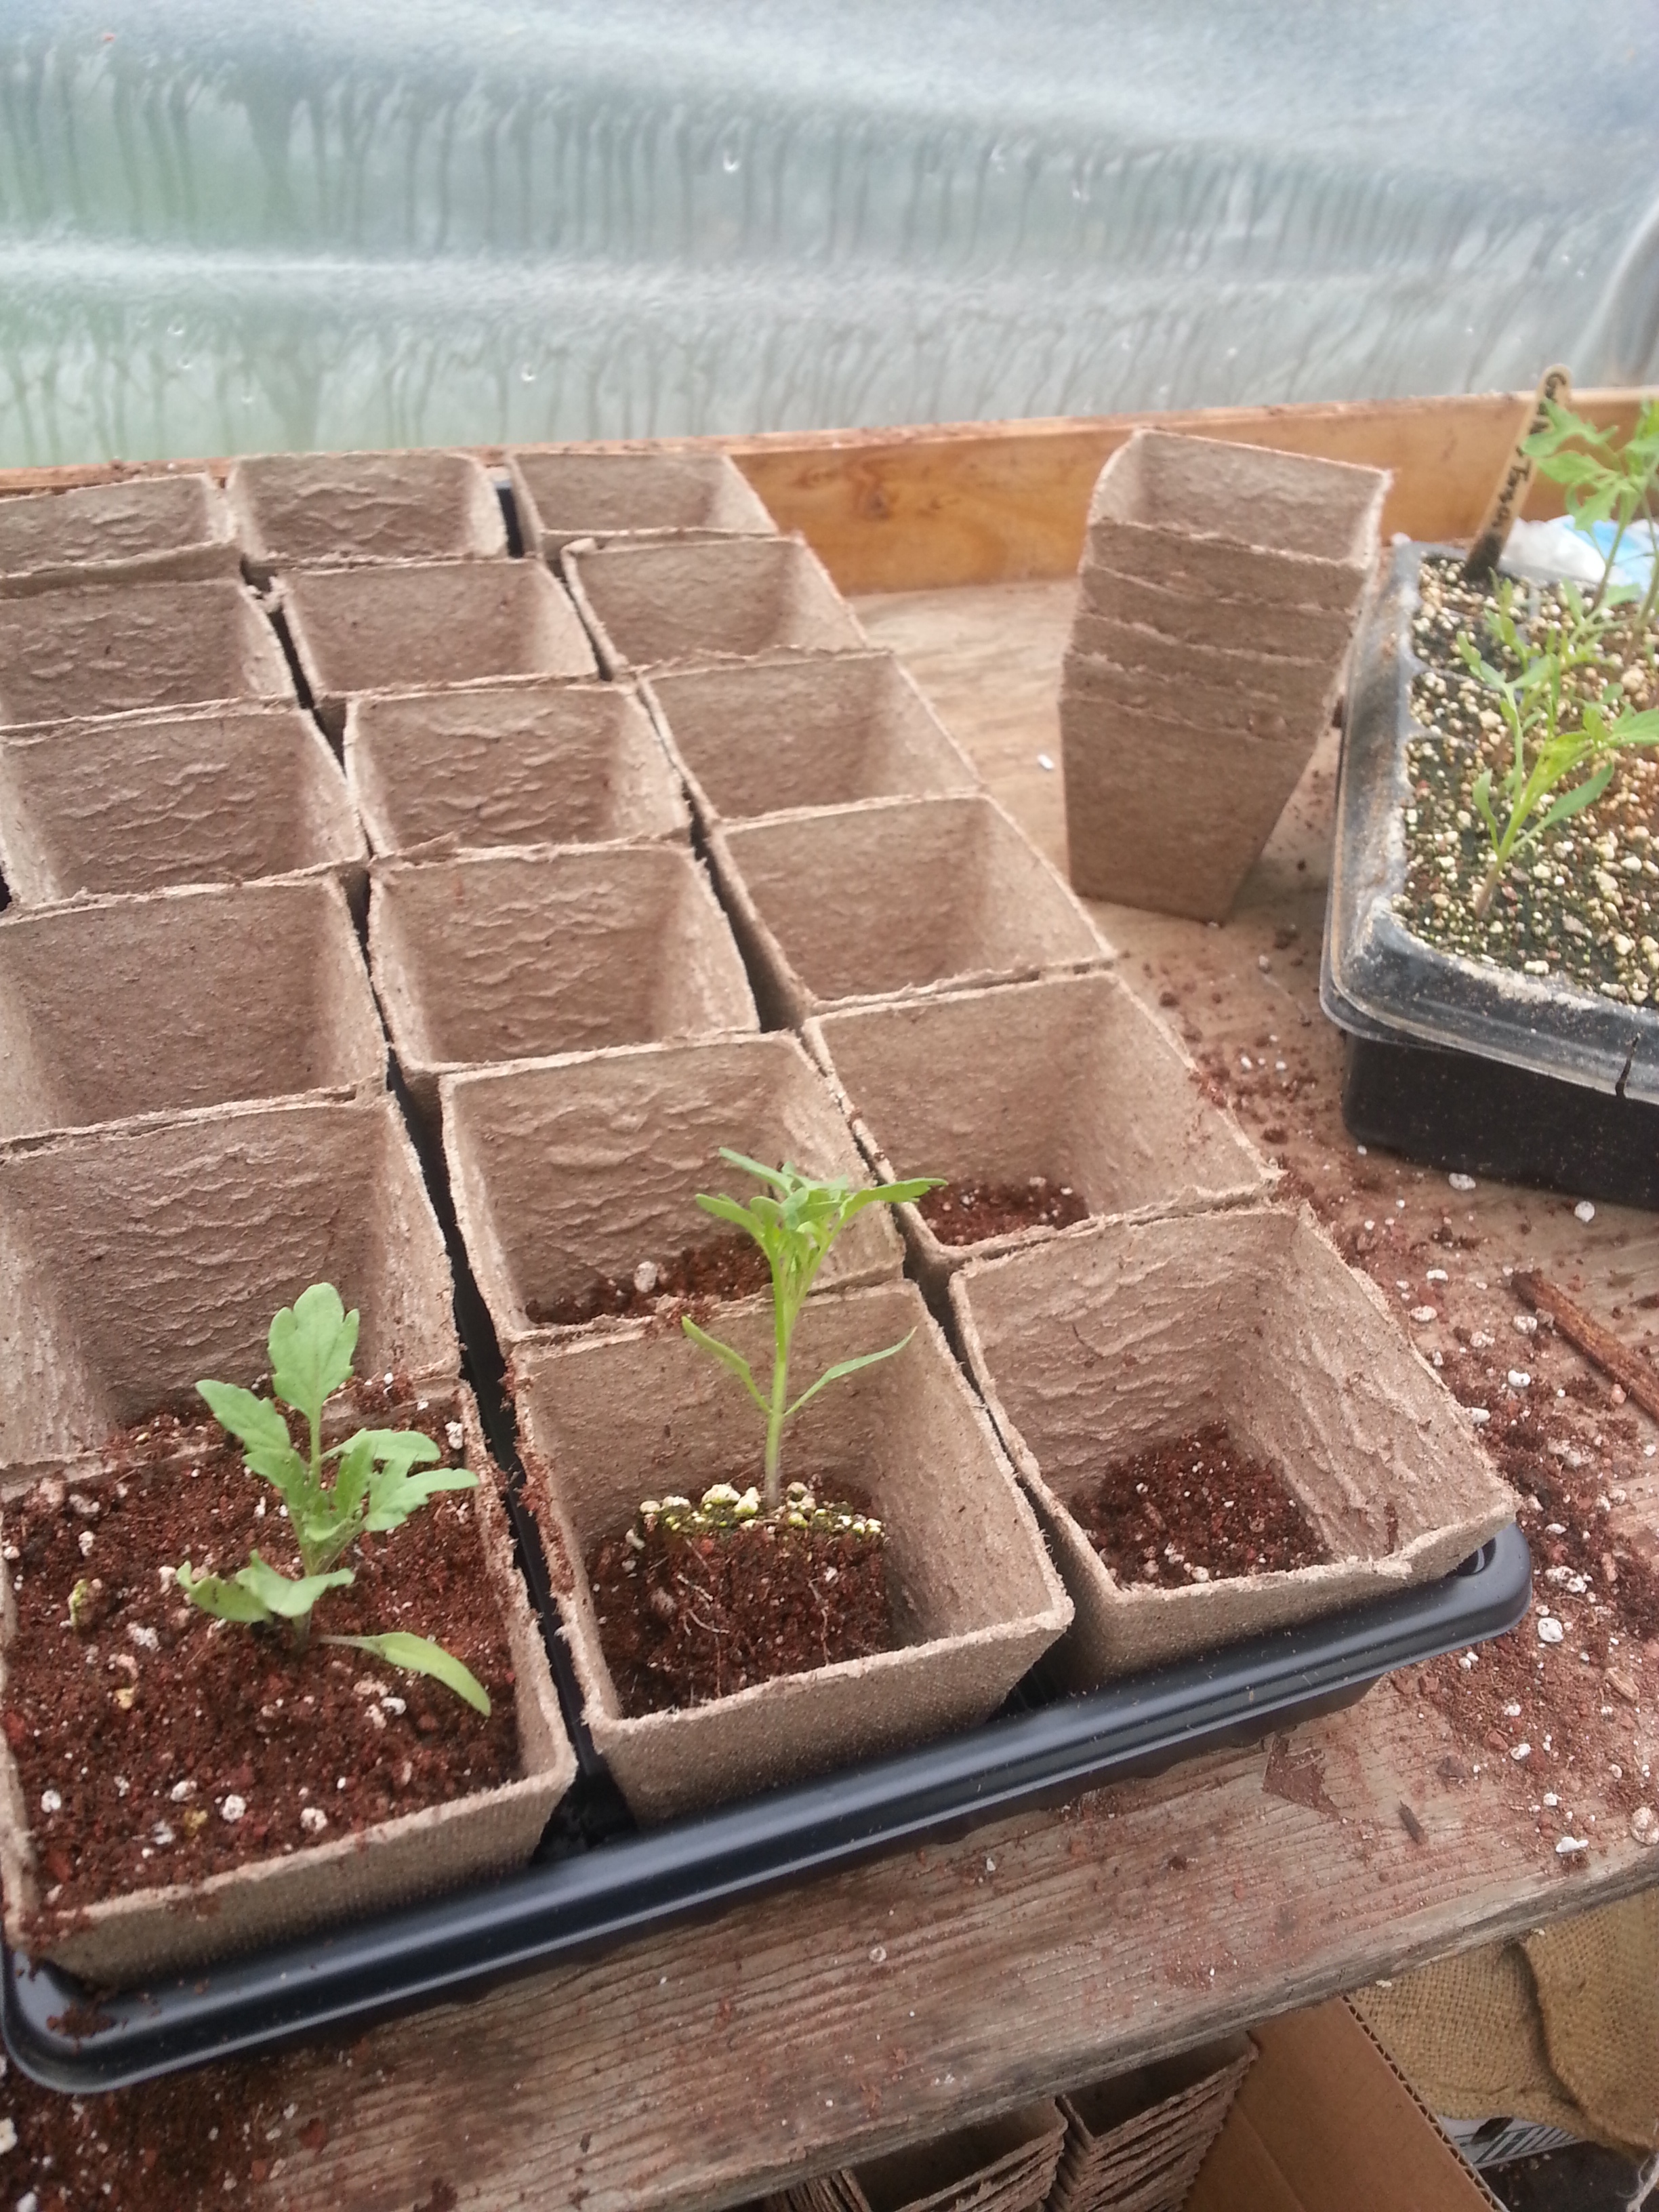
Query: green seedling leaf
x,y
416,1656
846,1367
727,1358
263,1434
1574,801
311,1345
226,1597
893,1194
289,1597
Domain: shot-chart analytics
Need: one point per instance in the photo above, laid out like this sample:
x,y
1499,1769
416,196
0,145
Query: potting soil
x,y
720,1268
969,1213
156,1745
1196,1509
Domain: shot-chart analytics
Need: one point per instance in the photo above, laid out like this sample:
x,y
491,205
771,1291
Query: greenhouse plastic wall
x,y
226,226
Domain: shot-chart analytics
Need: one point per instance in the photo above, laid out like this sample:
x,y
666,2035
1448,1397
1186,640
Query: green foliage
x,y
795,1221
380,1476
1602,479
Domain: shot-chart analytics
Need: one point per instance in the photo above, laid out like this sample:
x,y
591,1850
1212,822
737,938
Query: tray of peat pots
x,y
238,1710
1004,2165
707,599
133,648
574,1180
1224,1431
525,763
768,736
890,897
297,510
1044,1105
137,803
561,495
174,527
157,990
459,948
1492,936
426,625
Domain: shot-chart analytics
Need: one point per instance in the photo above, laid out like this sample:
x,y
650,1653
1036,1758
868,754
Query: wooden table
x,y
894,2001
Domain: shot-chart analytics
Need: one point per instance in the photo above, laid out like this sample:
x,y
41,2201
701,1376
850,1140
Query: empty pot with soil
x,y
135,806
561,496
173,528
1223,1431
521,763
610,1422
574,1180
299,509
1042,1104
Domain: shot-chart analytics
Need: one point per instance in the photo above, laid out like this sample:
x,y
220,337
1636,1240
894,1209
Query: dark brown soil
x,y
1196,1510
969,1213
685,1617
720,1268
147,1722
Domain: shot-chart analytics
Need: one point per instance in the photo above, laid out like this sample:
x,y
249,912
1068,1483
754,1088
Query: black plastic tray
x,y
1449,1061
583,1895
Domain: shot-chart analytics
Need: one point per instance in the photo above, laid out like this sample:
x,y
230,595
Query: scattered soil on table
x,y
686,1615
1582,904
1196,1510
139,1735
720,1268
967,1213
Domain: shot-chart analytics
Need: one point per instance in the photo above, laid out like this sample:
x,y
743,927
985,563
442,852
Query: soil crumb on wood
x,y
969,1213
720,1268
693,1604
1196,1510
157,1746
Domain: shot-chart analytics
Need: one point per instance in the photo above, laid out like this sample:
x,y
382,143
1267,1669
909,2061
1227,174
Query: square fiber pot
x,y
1201,514
426,625
134,1260
890,898
1089,1348
510,764
1259,694
1004,2165
564,495
303,509
707,599
566,1170
172,528
133,648
1070,1078
134,805
1135,2144
1220,621
774,735
607,1420
517,955
180,999
140,1933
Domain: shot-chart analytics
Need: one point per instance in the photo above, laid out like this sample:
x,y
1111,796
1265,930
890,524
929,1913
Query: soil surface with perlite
x,y
721,1267
1196,1510
156,1745
694,1603
970,1213
1582,903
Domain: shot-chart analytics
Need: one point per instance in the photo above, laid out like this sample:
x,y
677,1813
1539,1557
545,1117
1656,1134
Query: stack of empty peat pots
x,y
1219,589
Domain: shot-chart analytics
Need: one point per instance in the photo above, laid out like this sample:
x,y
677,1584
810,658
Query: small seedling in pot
x,y
795,1221
380,1476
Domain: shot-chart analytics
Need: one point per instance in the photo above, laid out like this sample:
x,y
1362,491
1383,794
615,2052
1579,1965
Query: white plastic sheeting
x,y
340,222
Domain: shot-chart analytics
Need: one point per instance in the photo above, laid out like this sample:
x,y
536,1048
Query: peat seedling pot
x,y
134,648
1040,1103
707,599
427,625
1138,2141
303,509
144,529
574,1181
1218,593
1093,1349
1004,2165
133,1006
135,806
607,1421
562,496
1471,1063
518,955
893,898
535,763
774,735
327,1855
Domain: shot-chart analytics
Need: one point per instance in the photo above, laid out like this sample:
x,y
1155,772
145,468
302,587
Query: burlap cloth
x,y
1562,2027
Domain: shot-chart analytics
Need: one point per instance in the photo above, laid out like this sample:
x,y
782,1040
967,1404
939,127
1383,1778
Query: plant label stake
x,y
1511,490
